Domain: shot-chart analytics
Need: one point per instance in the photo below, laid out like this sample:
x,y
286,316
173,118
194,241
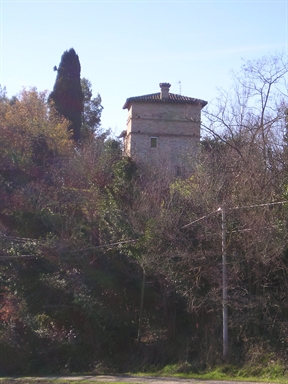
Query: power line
x,y
201,218
258,205
235,208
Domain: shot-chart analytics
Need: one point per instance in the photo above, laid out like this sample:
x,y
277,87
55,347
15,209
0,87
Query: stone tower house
x,y
162,127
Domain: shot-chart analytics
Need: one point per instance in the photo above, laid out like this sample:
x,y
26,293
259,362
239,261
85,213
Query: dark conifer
x,y
67,92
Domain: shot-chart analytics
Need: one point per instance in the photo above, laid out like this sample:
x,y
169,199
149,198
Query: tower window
x,y
153,142
179,171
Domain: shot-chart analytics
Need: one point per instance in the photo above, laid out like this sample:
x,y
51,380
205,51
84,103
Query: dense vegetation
x,y
105,265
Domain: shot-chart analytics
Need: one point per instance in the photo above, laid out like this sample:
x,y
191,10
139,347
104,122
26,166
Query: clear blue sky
x,y
126,48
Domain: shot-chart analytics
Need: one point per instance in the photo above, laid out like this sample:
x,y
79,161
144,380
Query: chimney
x,y
164,90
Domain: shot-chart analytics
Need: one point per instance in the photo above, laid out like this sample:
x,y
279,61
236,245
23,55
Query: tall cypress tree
x,y
67,92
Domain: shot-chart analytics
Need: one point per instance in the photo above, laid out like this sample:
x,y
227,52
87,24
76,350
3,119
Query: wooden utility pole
x,y
224,262
224,288
141,307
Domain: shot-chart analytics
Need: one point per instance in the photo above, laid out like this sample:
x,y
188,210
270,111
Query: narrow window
x,y
179,171
153,142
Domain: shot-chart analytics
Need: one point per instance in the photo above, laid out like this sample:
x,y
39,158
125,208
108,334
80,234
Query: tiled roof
x,y
156,98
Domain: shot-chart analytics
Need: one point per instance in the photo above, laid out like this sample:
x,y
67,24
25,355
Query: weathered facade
x,y
162,127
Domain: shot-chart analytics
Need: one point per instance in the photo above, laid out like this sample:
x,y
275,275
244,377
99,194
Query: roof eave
x,y
203,103
129,101
127,104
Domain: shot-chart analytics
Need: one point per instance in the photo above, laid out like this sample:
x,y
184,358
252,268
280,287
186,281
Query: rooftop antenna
x,y
179,82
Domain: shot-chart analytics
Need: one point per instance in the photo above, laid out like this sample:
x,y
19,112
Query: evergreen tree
x,y
92,109
67,92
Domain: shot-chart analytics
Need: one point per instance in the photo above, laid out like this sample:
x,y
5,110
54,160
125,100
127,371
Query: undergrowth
x,y
272,372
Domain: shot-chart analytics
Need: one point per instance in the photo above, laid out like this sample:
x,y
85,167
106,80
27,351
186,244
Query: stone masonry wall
x,y
176,126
